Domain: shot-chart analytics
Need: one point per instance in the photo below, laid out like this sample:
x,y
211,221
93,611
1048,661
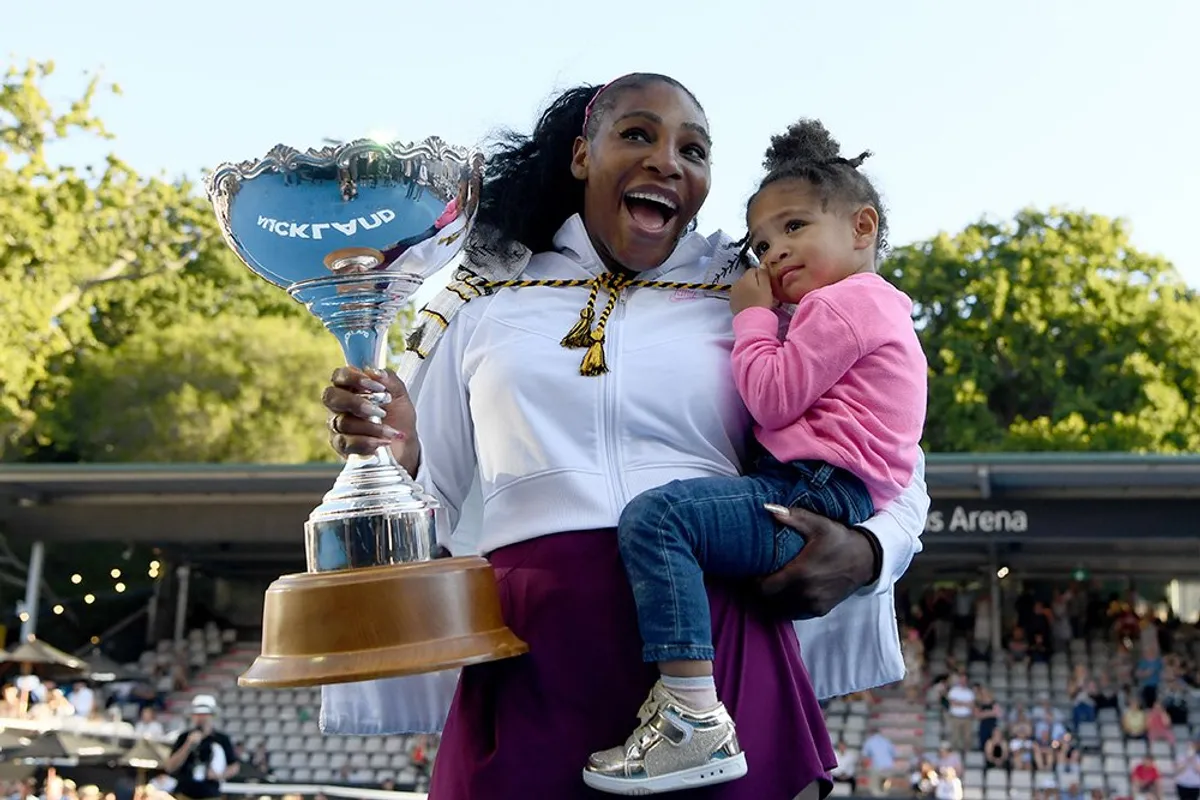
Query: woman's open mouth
x,y
652,208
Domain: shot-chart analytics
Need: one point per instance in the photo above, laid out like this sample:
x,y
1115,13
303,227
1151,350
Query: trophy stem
x,y
375,514
365,347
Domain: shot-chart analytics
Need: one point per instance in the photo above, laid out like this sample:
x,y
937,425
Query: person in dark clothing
x,y
202,758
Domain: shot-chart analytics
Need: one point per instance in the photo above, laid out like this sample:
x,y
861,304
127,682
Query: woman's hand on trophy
x,y
369,410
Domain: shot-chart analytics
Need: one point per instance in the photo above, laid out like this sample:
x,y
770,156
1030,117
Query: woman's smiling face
x,y
646,174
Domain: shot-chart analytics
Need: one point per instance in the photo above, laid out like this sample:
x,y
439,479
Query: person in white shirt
x,y
847,765
949,785
501,404
83,699
1187,772
148,726
961,714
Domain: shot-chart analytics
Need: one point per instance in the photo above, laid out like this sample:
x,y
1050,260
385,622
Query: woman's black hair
x,y
528,189
808,152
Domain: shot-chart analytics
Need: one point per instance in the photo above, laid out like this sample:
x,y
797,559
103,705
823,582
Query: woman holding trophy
x,y
603,196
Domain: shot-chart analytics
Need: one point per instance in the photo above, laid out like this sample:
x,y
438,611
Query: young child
x,y
839,406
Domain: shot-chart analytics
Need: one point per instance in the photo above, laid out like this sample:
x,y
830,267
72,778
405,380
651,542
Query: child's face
x,y
804,246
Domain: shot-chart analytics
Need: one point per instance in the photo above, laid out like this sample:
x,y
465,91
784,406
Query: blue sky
x,y
971,108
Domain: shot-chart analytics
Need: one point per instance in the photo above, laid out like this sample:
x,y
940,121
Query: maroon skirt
x,y
524,727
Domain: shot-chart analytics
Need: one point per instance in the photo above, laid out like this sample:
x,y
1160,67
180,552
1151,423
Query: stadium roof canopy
x,y
247,519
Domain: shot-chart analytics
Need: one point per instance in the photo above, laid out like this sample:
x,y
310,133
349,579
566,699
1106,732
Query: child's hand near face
x,y
752,289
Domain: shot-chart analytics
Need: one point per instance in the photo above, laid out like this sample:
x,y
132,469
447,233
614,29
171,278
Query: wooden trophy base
x,y
380,622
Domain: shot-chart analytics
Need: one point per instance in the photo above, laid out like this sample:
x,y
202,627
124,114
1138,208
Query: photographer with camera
x,y
202,758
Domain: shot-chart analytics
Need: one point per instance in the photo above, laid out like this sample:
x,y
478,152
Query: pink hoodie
x,y
848,385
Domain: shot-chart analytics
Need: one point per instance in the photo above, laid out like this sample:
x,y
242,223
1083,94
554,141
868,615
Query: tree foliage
x,y
1053,333
131,331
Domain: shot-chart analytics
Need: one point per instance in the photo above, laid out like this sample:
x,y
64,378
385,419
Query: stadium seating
x,y
918,730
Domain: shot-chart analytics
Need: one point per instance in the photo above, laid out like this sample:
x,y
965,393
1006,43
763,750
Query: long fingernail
x,y
374,372
779,511
389,432
374,411
374,386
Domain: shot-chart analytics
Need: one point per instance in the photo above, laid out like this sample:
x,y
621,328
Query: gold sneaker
x,y
673,748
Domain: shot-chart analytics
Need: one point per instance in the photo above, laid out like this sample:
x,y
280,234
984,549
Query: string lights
x,y
154,572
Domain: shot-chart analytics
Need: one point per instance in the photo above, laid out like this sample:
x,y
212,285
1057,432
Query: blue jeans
x,y
671,536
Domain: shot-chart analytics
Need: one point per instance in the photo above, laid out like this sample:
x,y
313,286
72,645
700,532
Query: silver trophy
x,y
351,231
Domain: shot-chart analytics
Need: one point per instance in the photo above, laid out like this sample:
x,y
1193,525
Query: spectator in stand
x,y
261,760
995,750
1158,725
1048,719
1148,636
148,726
1127,628
1133,721
1019,721
1106,695
961,713
1041,623
1083,704
1020,745
948,758
1175,701
949,787
1146,780
1079,679
1018,648
987,713
10,703
878,759
83,699
1187,772
1045,755
202,758
419,756
1149,673
1122,667
32,690
56,706
924,780
847,765
1039,650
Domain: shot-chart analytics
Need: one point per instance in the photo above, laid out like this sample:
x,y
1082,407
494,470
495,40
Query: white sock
x,y
698,694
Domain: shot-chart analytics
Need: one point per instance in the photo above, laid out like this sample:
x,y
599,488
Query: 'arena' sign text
x,y
977,521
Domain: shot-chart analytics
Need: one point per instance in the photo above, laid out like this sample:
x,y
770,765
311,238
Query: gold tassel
x,y
581,334
593,360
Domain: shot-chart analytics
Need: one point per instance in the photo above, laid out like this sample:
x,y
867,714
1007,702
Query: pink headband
x,y
587,112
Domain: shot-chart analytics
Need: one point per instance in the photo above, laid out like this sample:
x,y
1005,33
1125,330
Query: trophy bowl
x,y
351,231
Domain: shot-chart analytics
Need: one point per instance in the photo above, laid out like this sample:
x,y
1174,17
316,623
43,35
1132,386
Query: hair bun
x,y
806,140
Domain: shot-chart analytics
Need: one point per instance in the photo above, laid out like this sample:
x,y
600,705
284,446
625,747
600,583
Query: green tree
x,y
131,331
1053,333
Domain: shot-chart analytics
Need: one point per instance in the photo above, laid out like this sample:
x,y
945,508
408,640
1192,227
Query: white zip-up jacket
x,y
503,414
